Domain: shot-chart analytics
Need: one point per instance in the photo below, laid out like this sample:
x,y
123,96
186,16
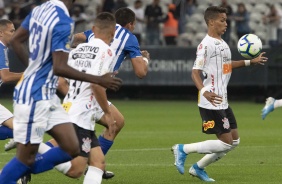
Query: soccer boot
x,y
10,145
25,179
179,156
269,107
200,173
108,175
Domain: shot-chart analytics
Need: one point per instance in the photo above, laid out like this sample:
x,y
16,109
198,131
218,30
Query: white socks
x,y
63,168
277,103
93,175
207,147
210,158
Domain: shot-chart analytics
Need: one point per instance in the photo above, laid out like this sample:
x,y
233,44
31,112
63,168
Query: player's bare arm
x,y
7,76
18,42
77,39
101,97
213,98
261,59
140,64
62,69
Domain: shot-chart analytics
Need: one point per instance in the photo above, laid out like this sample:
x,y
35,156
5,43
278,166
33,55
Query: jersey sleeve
x,y
88,34
201,57
25,23
3,59
61,38
132,47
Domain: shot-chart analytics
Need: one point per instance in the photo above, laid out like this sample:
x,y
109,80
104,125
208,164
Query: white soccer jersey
x,y
214,59
96,58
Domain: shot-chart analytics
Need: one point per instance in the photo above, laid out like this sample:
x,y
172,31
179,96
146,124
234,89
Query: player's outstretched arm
x,y
61,68
261,59
18,42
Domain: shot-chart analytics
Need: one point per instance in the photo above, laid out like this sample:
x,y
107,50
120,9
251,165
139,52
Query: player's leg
x,y
270,104
96,166
106,139
214,126
211,158
28,120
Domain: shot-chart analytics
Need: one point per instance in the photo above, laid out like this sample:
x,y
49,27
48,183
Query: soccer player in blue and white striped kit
x,y
37,109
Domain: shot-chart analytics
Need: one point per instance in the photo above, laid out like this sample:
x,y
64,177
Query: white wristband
x,y
146,60
247,62
203,90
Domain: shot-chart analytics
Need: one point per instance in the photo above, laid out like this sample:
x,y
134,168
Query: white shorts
x,y
5,114
83,117
32,121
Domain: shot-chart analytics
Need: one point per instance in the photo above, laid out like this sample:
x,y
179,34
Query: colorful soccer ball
x,y
249,46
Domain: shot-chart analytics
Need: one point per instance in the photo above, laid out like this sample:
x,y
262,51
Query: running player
x,y
37,109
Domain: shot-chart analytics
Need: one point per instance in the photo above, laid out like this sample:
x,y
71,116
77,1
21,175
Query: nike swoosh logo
x,y
241,44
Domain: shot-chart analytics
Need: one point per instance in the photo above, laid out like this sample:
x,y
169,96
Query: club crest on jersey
x,y
207,125
86,146
226,124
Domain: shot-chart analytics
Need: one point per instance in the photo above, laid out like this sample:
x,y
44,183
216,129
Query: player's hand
x,y
213,98
145,54
109,81
111,124
259,60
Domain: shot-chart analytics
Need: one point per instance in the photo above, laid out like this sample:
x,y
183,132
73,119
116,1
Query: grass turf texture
x,y
141,153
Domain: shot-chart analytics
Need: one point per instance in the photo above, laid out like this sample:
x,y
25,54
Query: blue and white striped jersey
x,y
50,29
4,63
123,44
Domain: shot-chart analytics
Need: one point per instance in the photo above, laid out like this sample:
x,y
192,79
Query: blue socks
x,y
105,144
5,133
13,171
49,160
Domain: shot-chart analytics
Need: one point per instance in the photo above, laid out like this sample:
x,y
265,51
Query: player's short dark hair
x,y
212,12
5,22
124,16
105,20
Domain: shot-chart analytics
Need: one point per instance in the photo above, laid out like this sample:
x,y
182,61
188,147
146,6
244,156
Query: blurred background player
x,y
214,62
7,30
37,109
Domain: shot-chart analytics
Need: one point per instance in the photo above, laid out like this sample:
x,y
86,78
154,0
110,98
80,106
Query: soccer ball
x,y
249,46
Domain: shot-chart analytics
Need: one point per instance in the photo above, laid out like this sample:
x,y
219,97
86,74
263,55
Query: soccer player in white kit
x,y
214,62
37,109
87,103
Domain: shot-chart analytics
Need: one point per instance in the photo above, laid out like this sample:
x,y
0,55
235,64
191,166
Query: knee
x,y
120,124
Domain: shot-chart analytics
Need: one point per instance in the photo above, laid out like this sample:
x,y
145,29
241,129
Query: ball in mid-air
x,y
249,46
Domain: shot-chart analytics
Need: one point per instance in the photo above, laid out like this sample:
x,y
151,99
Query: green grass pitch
x,y
141,153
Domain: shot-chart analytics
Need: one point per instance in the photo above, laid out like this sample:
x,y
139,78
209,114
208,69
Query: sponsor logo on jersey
x,y
226,124
86,146
207,125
